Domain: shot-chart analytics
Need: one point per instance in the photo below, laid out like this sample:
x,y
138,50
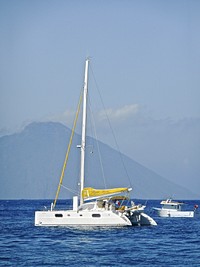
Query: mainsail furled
x,y
89,193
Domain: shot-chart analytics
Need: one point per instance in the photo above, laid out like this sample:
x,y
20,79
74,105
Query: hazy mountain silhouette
x,y
31,163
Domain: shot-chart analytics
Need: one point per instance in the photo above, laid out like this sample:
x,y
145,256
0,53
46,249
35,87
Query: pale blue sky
x,y
143,52
145,56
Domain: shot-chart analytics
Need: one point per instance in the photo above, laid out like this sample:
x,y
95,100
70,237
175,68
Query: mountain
x,y
31,163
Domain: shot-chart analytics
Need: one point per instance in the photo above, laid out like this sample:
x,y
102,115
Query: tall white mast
x,y
83,140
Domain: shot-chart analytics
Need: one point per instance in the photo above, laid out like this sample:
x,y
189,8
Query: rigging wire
x,y
97,143
117,146
70,190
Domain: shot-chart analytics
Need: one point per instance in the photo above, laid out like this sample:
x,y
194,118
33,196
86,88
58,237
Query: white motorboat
x,y
170,208
99,207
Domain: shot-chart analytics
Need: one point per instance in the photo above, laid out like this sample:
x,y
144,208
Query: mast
x,y
83,139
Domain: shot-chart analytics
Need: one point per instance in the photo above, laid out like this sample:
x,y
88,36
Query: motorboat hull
x,y
174,213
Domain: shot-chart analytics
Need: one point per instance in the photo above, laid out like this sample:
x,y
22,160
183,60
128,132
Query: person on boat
x,y
117,203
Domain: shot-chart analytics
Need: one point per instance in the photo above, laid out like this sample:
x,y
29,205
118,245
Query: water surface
x,y
174,242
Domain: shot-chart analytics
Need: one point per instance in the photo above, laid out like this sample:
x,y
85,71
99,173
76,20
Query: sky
x,y
144,54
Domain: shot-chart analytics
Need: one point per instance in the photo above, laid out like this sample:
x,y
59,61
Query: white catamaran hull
x,y
141,219
70,217
174,213
100,218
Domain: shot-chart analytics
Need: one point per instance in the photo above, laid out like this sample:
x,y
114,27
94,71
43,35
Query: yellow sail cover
x,y
91,193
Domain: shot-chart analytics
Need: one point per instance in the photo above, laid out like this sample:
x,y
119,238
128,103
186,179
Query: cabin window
x,y
58,215
96,215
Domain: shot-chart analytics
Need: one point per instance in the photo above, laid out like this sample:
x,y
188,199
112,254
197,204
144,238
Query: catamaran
x,y
93,207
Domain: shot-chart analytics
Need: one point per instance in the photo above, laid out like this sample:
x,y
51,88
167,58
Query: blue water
x,y
174,242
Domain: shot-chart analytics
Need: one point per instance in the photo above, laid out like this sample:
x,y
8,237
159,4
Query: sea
x,y
173,242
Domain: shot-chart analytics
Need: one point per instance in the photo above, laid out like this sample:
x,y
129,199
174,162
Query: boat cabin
x,y
170,204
